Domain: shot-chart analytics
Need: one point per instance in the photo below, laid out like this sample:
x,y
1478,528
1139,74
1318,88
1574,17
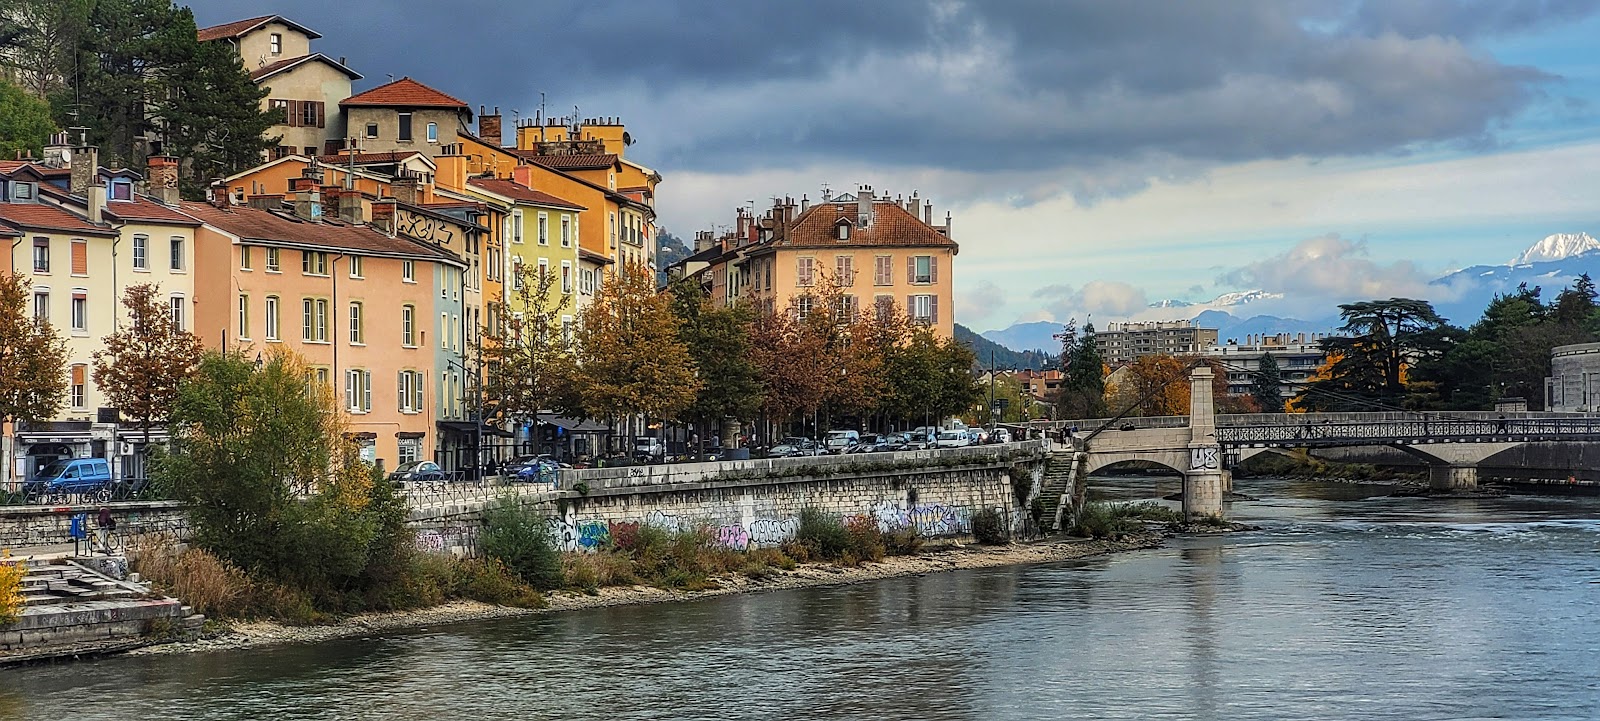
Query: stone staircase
x,y
69,609
1060,469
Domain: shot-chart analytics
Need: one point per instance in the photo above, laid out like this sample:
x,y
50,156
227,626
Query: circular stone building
x,y
1574,382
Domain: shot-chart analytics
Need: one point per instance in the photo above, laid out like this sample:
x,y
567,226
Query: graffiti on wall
x,y
442,540
930,519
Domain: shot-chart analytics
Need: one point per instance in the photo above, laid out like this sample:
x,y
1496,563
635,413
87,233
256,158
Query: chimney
x,y
383,211
307,200
489,126
805,203
164,178
913,205
522,175
927,213
947,224
349,210
219,195
407,189
265,202
864,207
85,163
97,199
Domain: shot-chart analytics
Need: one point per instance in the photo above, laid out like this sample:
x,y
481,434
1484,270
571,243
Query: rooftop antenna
x,y
391,76
827,194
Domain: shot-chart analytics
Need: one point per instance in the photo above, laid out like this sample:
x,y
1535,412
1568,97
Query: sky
x,y
1095,156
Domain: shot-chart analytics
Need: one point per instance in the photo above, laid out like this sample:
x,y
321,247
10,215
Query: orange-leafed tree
x,y
33,360
146,359
630,357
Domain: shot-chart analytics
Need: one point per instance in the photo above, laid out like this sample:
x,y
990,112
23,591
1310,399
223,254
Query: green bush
x,y
519,538
989,527
902,541
489,581
822,534
1106,519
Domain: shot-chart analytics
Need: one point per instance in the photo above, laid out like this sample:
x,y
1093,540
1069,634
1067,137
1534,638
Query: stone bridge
x,y
1204,445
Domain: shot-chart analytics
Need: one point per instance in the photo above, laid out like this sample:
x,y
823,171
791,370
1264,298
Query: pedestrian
x,y
716,440
105,523
1502,424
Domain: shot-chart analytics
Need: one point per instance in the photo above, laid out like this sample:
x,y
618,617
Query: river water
x,y
1341,607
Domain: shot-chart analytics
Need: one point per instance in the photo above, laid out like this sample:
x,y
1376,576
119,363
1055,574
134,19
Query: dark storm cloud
x,y
972,86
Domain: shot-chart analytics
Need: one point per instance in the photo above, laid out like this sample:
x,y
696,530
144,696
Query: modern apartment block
x,y
1122,343
1298,356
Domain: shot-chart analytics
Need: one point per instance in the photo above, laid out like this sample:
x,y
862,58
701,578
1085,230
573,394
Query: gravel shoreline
x,y
954,558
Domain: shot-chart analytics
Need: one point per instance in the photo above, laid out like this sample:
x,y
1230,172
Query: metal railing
x,y
18,493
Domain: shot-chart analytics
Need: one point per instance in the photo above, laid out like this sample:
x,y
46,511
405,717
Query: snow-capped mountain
x,y
1226,300
1171,303
1559,246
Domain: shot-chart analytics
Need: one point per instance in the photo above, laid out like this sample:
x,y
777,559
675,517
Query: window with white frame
x,y
271,329
566,232
41,255
566,276
802,305
586,281
41,304
409,391
175,245
80,310
80,381
313,263
408,271
275,44
408,326
357,325
273,256
433,132
356,267
544,228
924,308
245,261
516,226
177,312
922,269
244,316
358,390
141,252
805,271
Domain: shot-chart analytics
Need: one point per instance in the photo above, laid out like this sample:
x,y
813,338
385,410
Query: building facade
x,y
1298,356
406,115
1574,382
305,86
1121,343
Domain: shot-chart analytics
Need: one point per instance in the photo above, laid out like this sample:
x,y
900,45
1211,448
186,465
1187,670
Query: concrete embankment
x,y
953,558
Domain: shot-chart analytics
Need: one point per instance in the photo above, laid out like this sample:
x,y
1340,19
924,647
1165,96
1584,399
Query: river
x,y
1341,607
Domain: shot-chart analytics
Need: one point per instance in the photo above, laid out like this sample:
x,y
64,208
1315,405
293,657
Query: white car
x,y
953,439
1002,435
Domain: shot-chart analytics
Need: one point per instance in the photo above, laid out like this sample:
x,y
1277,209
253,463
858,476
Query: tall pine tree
x,y
1264,387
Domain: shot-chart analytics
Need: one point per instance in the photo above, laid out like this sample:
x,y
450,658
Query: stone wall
x,y
938,500
24,526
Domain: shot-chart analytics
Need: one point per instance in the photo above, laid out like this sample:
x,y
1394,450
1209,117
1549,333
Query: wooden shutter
x,y
402,394
80,257
911,269
933,269
78,373
933,310
322,119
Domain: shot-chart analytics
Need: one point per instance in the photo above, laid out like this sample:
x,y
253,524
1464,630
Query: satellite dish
x,y
66,155
626,138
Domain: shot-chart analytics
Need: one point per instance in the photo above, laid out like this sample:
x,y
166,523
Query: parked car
x,y
533,468
71,475
838,441
416,472
1002,435
952,439
917,441
791,447
649,449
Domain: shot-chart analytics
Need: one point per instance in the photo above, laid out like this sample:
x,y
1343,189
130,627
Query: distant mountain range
x,y
1551,263
992,353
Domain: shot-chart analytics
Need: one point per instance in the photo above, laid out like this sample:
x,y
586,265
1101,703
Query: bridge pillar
x,y
1205,484
1452,477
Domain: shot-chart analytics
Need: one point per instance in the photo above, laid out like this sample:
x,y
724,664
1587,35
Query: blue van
x,y
71,475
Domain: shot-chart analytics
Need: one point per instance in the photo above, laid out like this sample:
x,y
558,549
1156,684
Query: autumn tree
x,y
630,358
790,364
33,362
851,345
527,357
1381,338
141,365
719,342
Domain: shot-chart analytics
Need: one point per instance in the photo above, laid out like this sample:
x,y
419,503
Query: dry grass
x,y
10,589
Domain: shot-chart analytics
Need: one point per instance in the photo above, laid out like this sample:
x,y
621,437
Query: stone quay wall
x,y
758,503
24,526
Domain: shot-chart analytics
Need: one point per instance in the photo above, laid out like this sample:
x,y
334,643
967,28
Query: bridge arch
x,y
1174,461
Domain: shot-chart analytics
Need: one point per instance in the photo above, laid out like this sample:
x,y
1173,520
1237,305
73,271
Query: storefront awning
x,y
574,425
467,428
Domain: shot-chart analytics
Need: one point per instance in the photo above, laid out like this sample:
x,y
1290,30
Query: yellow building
x,y
587,158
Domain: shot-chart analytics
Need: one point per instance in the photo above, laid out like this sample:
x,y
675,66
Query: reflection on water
x,y
1341,607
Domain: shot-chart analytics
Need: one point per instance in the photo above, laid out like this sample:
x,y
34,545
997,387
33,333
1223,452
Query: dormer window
x,y
120,190
841,229
22,191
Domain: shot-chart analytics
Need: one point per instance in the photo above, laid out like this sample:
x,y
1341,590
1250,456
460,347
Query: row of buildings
x,y
375,240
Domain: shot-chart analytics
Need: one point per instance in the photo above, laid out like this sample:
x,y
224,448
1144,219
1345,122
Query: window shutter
x,y
322,119
911,307
416,391
402,394
366,390
80,257
933,310
933,269
911,269
77,375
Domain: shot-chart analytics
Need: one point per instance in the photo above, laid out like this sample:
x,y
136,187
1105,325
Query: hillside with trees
x,y
989,352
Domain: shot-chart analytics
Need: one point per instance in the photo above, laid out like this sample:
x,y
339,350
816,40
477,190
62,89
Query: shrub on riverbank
x,y
519,538
989,527
11,574
823,536
1109,519
1300,464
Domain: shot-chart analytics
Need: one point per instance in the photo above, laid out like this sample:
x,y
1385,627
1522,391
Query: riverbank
x,y
951,558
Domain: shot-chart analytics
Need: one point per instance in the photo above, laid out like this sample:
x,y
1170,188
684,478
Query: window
x,y
41,305
566,276
80,257
921,269
516,273
80,379
282,151
322,376
358,390
455,332
120,190
544,228
924,308
516,226
244,316
845,308
410,392
805,271
22,191
408,271
405,126
544,269
803,306
141,252
313,263
843,230
272,318
310,116
245,261
356,337
408,326
883,307
41,255
273,258
444,331
433,132
282,106
566,232
410,450
314,320
80,312
586,281
355,267
566,330
613,219
844,266
276,43
177,312
372,130
176,245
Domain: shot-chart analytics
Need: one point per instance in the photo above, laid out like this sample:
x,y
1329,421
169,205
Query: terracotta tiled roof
x,y
37,216
147,210
891,225
394,156
262,225
404,92
240,27
8,166
274,68
594,257
569,162
515,191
